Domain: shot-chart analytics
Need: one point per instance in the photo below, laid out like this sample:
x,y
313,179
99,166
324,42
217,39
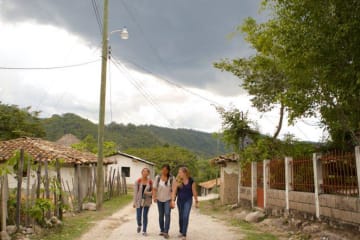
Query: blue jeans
x,y
184,214
142,212
164,213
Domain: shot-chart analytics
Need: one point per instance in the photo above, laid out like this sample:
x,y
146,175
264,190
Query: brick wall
x,y
341,208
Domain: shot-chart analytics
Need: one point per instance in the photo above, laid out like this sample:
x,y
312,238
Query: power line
x,y
97,14
49,68
148,97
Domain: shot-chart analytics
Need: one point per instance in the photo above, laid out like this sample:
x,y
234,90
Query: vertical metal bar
x,y
19,183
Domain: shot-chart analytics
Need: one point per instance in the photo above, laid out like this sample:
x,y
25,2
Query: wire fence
x,y
303,174
339,174
277,174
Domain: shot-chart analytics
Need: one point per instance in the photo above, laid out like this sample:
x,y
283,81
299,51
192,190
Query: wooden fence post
x,y
28,200
4,235
317,182
253,183
38,177
357,156
19,188
78,180
47,185
266,179
59,186
288,180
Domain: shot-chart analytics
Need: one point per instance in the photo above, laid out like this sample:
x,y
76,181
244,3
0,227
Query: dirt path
x,y
122,225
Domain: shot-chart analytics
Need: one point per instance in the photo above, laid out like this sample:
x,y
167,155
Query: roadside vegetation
x,y
247,230
75,225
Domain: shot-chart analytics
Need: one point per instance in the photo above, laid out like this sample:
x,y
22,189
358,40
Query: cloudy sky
x,y
162,75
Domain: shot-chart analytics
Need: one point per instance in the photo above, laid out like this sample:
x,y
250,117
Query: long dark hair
x,y
167,167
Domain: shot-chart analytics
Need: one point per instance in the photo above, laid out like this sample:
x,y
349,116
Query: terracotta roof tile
x,y
42,150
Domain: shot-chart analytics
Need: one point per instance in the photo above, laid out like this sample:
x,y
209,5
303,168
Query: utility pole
x,y
101,127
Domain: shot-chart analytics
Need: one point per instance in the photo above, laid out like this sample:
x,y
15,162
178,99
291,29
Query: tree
x,y
16,122
172,155
311,49
89,144
262,75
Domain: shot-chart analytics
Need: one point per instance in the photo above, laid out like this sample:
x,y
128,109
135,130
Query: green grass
x,y
250,231
74,226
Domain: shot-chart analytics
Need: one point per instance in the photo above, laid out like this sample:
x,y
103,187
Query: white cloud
x,y
77,89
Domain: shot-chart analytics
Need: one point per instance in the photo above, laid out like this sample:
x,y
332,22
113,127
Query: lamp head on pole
x,y
124,34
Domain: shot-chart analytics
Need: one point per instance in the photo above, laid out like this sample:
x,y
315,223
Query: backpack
x,y
158,177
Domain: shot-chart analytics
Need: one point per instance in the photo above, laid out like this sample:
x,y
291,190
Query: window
x,y
125,171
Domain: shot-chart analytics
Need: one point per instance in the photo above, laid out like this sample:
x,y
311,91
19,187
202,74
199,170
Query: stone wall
x,y
341,208
229,183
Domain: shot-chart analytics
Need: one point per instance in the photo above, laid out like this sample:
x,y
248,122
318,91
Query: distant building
x,y
68,140
129,166
208,186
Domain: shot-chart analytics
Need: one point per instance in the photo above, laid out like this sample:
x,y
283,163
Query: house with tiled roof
x,y
71,160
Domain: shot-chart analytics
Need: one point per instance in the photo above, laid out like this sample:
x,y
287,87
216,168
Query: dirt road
x,y
122,225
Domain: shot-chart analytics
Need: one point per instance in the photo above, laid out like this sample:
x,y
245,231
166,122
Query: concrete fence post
x,y
318,180
357,156
239,185
288,181
253,183
4,197
266,179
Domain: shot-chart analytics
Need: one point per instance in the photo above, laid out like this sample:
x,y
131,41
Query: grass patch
x,y
251,232
74,226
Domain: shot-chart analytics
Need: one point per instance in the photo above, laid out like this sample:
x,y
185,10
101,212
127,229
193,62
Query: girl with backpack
x,y
142,199
162,196
185,190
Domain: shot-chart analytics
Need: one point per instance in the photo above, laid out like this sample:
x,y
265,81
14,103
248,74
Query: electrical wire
x,y
97,15
147,96
50,68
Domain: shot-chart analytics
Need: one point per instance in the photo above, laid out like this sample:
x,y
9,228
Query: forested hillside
x,y
131,136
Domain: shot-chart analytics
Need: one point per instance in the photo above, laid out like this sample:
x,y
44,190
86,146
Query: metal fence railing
x,y
277,174
246,175
339,174
303,174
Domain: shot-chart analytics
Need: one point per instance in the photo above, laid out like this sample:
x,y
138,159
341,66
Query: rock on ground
x,y
255,217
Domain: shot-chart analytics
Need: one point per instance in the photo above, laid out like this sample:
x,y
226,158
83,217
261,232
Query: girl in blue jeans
x,y
142,200
185,190
162,196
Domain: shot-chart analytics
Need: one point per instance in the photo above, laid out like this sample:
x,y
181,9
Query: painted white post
x,y
239,185
288,180
253,183
317,182
357,156
266,179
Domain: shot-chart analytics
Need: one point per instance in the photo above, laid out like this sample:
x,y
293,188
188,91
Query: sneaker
x,y
180,235
138,230
144,234
161,234
166,235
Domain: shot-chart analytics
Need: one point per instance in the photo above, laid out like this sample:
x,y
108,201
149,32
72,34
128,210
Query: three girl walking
x,y
165,191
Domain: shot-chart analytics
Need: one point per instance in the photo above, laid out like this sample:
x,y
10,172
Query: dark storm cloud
x,y
179,39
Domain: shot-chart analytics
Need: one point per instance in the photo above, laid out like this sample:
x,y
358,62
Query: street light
x,y
124,34
105,51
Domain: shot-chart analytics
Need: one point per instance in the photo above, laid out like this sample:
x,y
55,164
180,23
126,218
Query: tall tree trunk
x,y
281,118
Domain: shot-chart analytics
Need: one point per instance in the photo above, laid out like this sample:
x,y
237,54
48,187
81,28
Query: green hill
x,y
131,136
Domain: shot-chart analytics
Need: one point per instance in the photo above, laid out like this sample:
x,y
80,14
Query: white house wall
x,y
135,167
